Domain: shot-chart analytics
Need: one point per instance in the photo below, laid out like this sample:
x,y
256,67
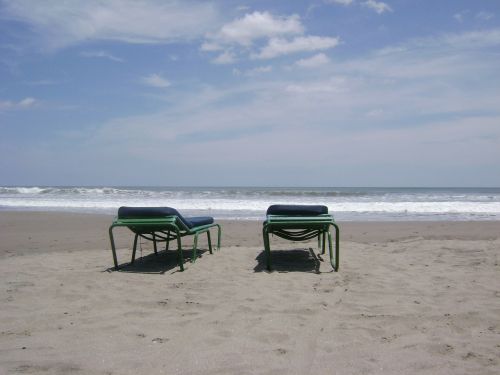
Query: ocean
x,y
250,203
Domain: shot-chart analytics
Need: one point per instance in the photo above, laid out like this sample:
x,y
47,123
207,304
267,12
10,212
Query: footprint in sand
x,y
160,340
273,338
280,351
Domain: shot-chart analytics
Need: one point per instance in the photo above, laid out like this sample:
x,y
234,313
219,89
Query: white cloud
x,y
374,113
257,25
211,46
277,46
253,72
451,43
155,80
460,16
475,39
313,61
25,103
259,70
429,62
243,8
333,85
335,111
376,110
341,2
262,35
101,54
224,58
310,88
378,6
60,24
485,16
421,107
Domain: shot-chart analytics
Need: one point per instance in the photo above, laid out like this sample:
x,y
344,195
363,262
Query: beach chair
x,y
301,223
162,224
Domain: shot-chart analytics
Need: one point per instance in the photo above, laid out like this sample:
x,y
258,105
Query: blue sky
x,y
275,93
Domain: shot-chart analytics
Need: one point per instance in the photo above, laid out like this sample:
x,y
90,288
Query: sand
x,y
409,298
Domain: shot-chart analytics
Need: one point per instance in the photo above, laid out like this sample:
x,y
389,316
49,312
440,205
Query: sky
x,y
250,93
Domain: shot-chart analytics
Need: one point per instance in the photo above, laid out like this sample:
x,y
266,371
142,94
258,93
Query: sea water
x,y
346,203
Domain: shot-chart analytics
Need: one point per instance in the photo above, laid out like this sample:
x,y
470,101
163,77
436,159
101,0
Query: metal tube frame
x,y
163,230
303,228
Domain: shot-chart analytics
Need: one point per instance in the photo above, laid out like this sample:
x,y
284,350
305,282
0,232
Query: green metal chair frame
x,y
302,228
163,229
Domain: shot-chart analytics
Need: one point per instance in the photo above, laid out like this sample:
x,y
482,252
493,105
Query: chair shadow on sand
x,y
294,260
160,263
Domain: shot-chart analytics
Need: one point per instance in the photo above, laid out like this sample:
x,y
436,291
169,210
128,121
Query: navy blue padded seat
x,y
145,212
199,221
297,210
155,212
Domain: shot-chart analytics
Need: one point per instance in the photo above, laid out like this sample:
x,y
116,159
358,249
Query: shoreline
x,y
53,231
341,216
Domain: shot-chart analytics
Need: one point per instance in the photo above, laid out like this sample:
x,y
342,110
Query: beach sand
x,y
409,298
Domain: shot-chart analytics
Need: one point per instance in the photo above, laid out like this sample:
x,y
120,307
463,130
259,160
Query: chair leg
x,y
113,248
330,249
335,265
154,243
337,247
179,252
209,242
267,248
135,248
323,248
219,230
167,241
195,245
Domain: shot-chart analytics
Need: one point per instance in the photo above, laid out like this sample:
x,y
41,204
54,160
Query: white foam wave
x,y
260,205
21,190
61,191
253,202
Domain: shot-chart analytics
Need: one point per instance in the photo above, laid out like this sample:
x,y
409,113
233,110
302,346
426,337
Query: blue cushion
x,y
155,212
145,212
296,210
199,221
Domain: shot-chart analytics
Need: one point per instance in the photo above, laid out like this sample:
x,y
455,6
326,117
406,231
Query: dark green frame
x,y
163,229
302,228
